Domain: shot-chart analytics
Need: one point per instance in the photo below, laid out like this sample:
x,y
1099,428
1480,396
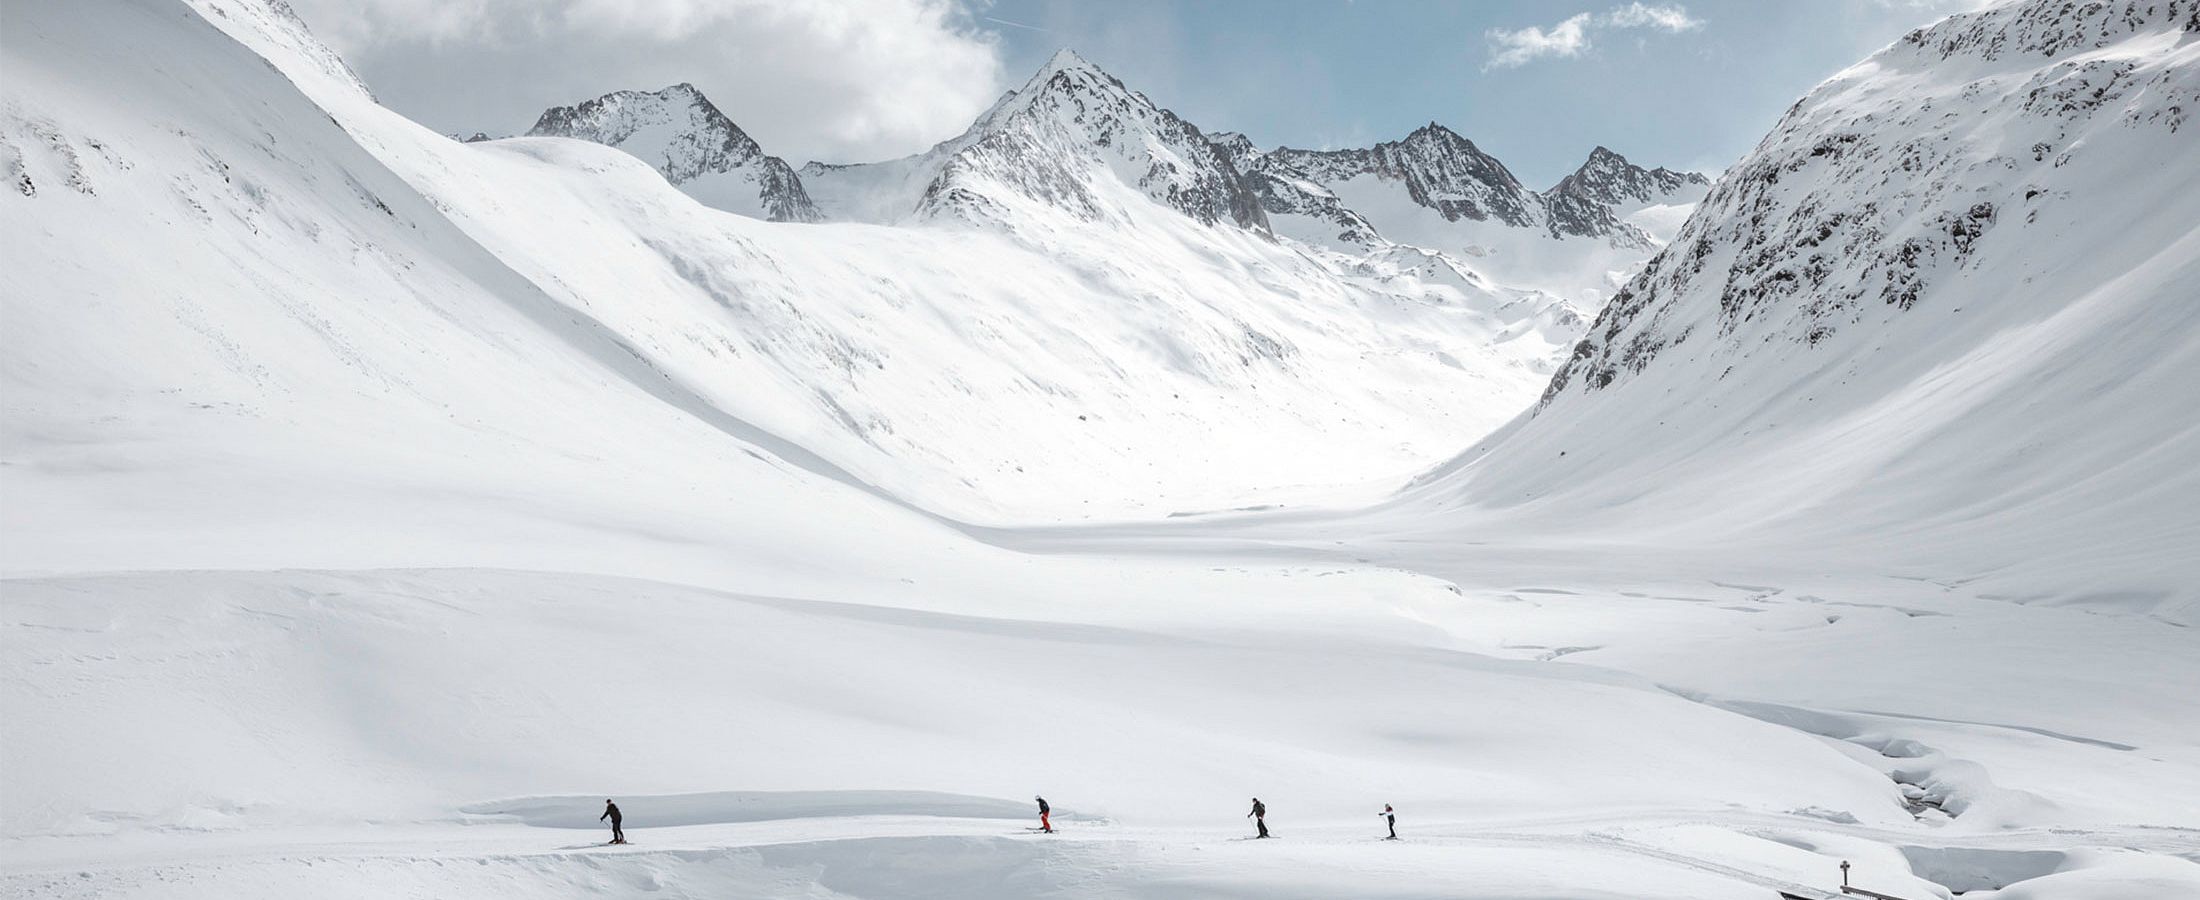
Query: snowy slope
x,y
1935,321
1096,351
684,137
375,504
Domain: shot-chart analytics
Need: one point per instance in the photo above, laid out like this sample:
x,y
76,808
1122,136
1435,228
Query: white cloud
x,y
1513,48
846,80
1664,18
1570,37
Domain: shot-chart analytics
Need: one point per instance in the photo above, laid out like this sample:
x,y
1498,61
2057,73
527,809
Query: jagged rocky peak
x,y
1589,201
1040,140
1440,169
1236,147
1610,179
685,137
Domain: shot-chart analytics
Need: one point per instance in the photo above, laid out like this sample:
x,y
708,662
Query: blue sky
x,y
1351,74
1686,85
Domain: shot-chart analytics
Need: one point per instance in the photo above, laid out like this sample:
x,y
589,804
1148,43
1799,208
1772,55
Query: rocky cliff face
x,y
682,134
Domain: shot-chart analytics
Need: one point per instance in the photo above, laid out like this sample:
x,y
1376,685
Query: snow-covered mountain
x,y
1057,150
1098,348
1436,190
1608,179
1939,317
1042,150
373,504
1435,168
683,135
1597,199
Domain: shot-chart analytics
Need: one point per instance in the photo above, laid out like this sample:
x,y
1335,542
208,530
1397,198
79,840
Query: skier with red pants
x,y
1044,825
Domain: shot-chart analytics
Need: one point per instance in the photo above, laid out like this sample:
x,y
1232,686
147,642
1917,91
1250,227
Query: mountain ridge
x,y
679,132
1040,141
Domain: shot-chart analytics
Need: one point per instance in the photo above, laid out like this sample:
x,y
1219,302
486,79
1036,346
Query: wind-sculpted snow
x,y
1940,311
685,137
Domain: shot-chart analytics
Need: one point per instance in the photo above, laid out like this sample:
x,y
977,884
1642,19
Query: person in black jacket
x,y
1260,817
1391,815
611,811
1044,825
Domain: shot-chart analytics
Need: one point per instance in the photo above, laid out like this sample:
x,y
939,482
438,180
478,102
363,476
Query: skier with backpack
x,y
1045,826
1259,815
1392,816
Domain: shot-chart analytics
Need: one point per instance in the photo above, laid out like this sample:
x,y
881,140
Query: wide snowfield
x,y
375,505
450,732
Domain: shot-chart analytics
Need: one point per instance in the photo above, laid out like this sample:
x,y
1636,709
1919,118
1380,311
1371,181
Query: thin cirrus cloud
x,y
1571,37
844,81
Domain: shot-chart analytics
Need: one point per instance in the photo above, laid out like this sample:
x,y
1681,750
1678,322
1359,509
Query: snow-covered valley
x,y
376,504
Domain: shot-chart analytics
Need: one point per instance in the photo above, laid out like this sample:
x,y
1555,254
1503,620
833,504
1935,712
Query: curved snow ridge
x,y
724,807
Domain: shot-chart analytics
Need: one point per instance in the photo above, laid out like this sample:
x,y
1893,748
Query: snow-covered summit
x,y
684,136
1607,177
1046,147
1074,143
1443,172
1236,146
1438,169
1593,200
1435,189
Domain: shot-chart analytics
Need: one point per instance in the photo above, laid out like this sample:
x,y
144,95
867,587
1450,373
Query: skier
x,y
1391,815
611,811
1044,825
1259,816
